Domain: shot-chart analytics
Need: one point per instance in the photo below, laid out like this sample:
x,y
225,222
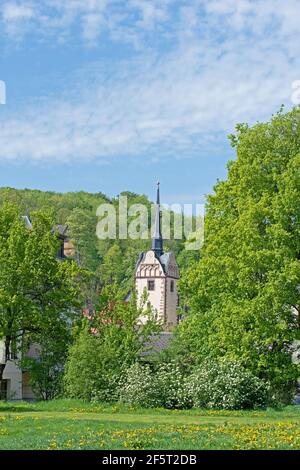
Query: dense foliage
x,y
105,345
161,387
108,260
43,359
244,293
240,299
213,385
37,294
225,385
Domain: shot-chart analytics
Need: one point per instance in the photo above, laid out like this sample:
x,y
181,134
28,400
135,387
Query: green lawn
x,y
72,424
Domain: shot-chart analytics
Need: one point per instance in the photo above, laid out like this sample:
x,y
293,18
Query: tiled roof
x,y
157,344
165,259
27,221
61,229
128,296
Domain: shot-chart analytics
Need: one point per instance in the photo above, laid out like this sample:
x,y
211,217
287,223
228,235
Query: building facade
x,y
157,274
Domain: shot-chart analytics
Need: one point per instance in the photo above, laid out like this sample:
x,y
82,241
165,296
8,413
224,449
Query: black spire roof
x,y
157,240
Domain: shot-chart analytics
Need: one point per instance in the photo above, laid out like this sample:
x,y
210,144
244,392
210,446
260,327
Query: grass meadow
x,y
73,424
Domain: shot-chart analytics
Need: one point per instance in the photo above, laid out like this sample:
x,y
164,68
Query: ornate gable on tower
x,y
149,266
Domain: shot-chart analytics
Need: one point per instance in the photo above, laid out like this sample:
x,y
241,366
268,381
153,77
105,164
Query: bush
x,y
139,388
160,388
85,372
108,391
169,382
45,376
225,386
106,345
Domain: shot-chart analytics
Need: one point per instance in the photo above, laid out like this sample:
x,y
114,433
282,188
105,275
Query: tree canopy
x,y
244,293
106,343
37,293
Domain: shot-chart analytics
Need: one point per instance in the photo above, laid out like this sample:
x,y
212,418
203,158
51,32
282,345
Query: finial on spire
x,y
157,195
157,240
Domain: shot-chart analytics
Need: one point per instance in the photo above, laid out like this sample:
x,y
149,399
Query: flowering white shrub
x,y
212,385
147,388
138,387
225,385
169,381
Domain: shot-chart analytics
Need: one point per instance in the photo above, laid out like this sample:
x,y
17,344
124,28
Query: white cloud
x,y
16,18
200,67
55,18
137,17
151,12
14,12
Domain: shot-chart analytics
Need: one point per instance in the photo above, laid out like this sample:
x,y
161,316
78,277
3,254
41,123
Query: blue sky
x,y
109,95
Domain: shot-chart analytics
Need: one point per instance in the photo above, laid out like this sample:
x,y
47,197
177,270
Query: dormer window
x,y
151,285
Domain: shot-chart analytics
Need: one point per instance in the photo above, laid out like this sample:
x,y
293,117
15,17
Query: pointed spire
x,y
157,194
157,240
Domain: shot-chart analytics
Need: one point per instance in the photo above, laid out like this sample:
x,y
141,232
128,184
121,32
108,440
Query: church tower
x,y
157,272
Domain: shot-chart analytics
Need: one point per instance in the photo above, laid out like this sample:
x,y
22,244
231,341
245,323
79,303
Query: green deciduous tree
x,y
244,293
45,367
112,266
37,292
82,231
107,344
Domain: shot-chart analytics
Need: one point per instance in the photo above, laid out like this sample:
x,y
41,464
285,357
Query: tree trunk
x,y
7,342
7,348
2,367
